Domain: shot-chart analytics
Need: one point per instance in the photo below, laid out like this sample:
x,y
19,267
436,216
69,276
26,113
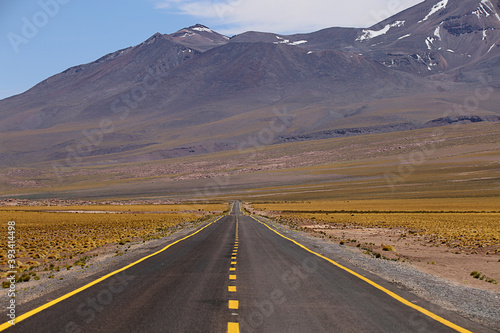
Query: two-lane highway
x,y
237,274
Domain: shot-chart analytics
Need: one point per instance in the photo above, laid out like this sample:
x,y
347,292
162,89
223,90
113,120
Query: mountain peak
x,y
199,37
153,38
200,27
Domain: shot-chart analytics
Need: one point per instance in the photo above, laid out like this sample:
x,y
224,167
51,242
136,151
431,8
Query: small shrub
x,y
387,248
475,274
23,278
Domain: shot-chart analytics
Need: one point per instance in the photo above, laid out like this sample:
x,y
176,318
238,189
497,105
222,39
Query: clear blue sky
x,y
71,32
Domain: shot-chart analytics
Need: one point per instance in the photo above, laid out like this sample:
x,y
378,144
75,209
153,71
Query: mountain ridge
x,y
176,94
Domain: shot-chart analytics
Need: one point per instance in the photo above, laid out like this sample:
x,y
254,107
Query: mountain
x,y
61,97
436,37
196,91
429,38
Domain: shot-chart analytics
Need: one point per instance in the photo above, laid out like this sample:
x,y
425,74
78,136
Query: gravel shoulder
x,y
482,306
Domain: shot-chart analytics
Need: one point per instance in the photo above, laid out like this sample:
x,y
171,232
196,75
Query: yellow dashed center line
x,y
233,327
233,305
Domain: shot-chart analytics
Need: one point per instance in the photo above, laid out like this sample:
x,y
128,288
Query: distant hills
x,y
196,91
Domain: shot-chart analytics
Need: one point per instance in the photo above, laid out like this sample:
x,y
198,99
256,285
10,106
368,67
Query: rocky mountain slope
x,y
429,38
197,91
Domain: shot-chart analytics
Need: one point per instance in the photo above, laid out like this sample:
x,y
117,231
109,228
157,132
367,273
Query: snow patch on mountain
x,y
437,32
481,11
405,36
429,41
490,6
187,34
298,42
369,34
201,28
437,7
287,41
437,37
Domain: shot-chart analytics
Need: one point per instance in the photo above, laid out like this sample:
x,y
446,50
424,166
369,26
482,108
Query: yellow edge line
x,y
387,291
74,292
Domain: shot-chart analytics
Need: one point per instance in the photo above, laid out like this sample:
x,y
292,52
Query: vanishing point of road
x,y
238,275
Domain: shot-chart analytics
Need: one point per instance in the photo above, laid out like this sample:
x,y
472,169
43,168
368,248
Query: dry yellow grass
x,y
457,223
488,204
208,207
43,237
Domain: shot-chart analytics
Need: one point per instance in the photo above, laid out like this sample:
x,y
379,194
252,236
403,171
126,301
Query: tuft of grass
x,y
387,248
23,278
482,277
475,274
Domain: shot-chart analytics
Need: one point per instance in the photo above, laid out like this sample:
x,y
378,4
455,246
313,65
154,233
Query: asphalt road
x,y
237,273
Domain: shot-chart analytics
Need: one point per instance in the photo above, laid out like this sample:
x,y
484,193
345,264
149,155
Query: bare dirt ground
x,y
451,264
